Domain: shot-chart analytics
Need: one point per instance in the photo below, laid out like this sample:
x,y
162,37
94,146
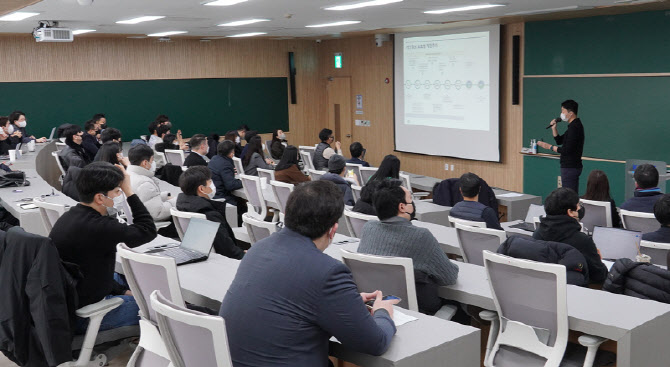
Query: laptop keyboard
x,y
181,254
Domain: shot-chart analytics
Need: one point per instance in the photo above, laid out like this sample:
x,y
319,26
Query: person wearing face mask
x,y
198,190
89,140
199,150
7,141
394,235
470,208
141,171
101,120
323,151
73,155
87,236
561,224
277,145
572,145
18,119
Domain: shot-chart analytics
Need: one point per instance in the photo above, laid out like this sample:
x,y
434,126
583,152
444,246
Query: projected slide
x,y
446,98
447,81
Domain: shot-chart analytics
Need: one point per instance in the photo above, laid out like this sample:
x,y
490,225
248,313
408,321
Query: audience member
x,y
101,120
598,189
389,168
199,150
73,155
364,204
336,172
294,292
470,208
223,172
287,169
89,141
18,119
357,154
111,152
7,140
561,224
253,160
212,143
163,120
167,143
248,136
146,186
87,237
277,145
323,151
662,214
646,190
110,134
394,235
196,197
153,137
232,136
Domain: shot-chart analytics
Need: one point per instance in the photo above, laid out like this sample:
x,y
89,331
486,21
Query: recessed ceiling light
x,y
148,18
363,4
243,22
17,16
463,8
224,2
247,34
573,7
165,34
82,31
335,24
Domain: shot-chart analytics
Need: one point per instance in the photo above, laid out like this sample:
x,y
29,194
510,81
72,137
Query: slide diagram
x,y
446,81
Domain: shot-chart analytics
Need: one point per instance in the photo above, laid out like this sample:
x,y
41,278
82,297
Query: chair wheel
x,y
100,360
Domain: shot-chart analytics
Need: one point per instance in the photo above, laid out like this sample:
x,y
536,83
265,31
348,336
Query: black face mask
x,y
412,215
581,212
103,127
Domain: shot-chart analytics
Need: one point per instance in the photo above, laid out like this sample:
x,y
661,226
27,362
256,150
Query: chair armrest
x,y
99,308
590,340
488,315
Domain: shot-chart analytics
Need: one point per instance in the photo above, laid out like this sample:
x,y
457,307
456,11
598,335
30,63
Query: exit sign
x,y
338,60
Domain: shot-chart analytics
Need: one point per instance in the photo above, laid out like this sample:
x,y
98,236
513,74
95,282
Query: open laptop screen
x,y
617,243
200,235
534,211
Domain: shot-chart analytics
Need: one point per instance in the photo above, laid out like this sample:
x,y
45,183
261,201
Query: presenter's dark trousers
x,y
570,178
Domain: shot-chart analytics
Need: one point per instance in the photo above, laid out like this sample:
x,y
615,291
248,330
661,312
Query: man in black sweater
x,y
87,236
572,145
561,224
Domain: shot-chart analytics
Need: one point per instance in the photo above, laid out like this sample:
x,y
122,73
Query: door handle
x,y
348,135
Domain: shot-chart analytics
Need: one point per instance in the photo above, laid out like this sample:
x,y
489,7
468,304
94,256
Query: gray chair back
x,y
473,243
356,191
174,158
644,225
595,215
357,171
254,197
366,173
316,175
658,256
281,194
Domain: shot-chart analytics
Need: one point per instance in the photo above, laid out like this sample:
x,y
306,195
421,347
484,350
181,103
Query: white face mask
x,y
211,194
153,167
118,202
237,140
10,129
23,123
564,117
282,136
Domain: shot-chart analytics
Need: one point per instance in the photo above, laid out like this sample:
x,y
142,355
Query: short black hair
x,y
470,185
89,125
163,129
110,134
70,132
570,105
97,178
98,116
313,208
356,149
662,210
225,147
3,120
386,198
161,119
169,138
194,177
560,200
244,127
14,116
197,140
324,134
140,153
646,176
152,127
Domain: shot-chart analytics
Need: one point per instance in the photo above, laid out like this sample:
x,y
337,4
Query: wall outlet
x,y
446,166
560,183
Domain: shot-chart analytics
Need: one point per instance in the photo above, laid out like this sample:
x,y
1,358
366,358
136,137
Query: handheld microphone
x,y
557,119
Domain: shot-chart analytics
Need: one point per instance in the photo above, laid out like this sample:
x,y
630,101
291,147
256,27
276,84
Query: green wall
x,y
193,105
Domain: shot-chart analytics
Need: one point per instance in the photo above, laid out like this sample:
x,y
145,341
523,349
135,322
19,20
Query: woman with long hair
x,y
287,169
253,159
111,152
390,168
277,145
598,189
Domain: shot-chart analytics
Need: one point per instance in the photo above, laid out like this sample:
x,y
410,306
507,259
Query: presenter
x,y
571,145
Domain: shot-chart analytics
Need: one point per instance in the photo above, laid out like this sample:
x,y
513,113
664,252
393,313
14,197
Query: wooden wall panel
x,y
368,66
115,58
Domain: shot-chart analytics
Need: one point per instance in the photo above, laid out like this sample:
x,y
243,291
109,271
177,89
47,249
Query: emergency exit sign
x,y
338,60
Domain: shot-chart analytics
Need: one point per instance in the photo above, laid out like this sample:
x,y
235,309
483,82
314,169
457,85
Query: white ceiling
x,y
289,18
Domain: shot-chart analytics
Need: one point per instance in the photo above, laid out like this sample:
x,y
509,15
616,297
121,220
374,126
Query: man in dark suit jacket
x,y
199,150
288,298
662,214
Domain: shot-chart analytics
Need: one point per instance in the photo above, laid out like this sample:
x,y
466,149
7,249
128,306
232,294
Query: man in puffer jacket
x,y
641,280
523,247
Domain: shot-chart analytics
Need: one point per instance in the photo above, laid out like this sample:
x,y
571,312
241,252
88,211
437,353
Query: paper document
x,y
400,318
510,195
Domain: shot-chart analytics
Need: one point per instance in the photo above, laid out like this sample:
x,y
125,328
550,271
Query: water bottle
x,y
534,146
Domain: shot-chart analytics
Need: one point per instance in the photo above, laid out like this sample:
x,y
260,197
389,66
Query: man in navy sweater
x,y
646,190
470,208
288,298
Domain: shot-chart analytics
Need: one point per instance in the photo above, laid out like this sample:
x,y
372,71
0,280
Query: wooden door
x,y
339,111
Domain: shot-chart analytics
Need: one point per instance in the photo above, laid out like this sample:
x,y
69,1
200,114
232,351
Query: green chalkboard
x,y
194,105
624,118
616,44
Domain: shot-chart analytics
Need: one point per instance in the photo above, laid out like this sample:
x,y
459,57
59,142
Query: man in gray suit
x,y
288,298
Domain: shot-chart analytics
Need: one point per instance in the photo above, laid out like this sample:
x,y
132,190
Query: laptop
x,y
534,211
51,137
197,243
617,243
